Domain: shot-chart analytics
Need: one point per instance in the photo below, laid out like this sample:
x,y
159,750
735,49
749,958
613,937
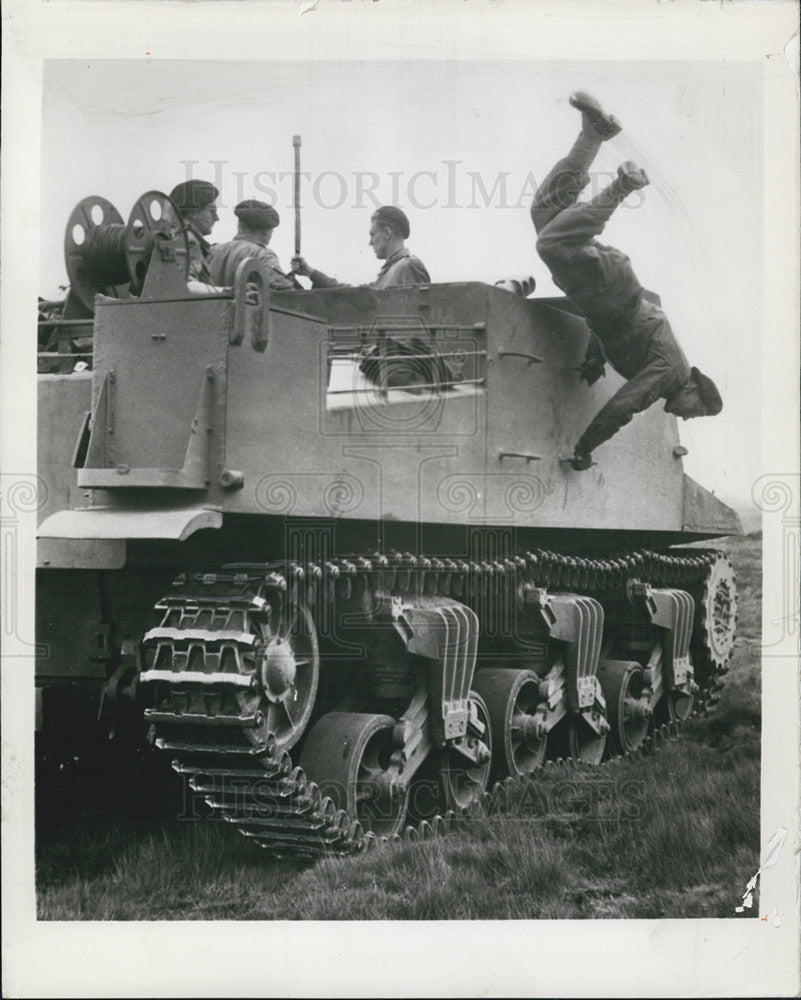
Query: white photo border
x,y
734,957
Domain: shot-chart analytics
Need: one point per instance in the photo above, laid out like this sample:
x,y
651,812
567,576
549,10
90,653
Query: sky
x,y
460,145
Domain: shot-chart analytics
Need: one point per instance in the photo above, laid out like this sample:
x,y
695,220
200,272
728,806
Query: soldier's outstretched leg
x,y
570,176
629,178
598,279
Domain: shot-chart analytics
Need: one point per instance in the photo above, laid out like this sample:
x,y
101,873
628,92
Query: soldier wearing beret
x,y
257,221
197,202
389,227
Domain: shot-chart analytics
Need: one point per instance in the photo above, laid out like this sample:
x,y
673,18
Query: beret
x,y
257,213
708,392
389,215
193,195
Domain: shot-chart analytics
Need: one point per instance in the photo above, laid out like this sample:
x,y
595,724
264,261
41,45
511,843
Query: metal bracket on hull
x,y
412,737
578,622
446,632
553,706
673,611
98,470
251,315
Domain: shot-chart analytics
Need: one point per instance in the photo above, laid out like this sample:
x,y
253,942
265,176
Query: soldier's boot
x,y
562,187
629,178
594,120
632,177
596,128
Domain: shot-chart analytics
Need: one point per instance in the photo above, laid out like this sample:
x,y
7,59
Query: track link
x,y
201,665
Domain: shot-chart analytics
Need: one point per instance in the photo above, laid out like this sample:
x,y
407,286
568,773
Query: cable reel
x,y
94,229
104,255
154,220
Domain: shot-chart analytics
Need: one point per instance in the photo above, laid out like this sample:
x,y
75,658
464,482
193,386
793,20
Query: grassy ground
x,y
674,834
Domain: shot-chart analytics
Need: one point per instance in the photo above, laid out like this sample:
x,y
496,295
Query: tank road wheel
x,y
463,781
629,716
519,740
574,737
288,670
674,706
715,622
348,755
584,743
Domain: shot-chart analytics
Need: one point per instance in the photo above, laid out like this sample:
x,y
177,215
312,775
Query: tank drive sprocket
x,y
231,653
715,626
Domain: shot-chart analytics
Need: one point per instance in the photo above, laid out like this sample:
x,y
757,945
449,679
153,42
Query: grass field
x,y
669,834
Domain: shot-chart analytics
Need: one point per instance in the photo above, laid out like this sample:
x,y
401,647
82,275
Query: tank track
x,y
252,783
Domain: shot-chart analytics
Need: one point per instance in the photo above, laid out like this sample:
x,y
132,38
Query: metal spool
x,y
103,254
154,217
93,249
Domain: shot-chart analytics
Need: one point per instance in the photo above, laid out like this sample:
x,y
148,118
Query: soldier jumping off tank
x,y
630,332
389,227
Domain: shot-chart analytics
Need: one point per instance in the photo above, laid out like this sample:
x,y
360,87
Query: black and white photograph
x,y
400,501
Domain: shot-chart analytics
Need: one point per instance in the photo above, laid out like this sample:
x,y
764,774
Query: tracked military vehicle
x,y
325,545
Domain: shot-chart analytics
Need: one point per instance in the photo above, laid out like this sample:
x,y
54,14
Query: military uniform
x,y
226,257
190,197
632,333
399,271
199,254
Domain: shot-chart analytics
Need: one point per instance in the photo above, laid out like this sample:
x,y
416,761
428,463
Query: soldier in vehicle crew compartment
x,y
196,200
389,227
627,330
257,221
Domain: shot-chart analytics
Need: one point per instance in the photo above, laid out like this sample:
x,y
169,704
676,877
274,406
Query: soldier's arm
x,y
594,352
201,288
278,280
592,367
318,279
635,396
